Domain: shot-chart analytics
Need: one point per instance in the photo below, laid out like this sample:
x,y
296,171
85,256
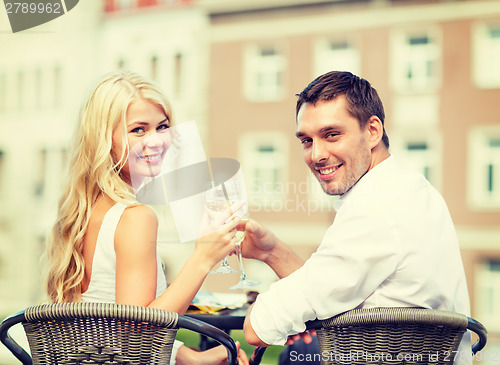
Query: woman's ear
x,y
375,131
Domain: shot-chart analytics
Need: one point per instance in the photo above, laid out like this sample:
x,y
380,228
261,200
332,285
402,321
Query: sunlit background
x,y
234,66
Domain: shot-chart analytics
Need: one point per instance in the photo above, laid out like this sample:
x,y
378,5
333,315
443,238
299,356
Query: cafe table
x,y
226,319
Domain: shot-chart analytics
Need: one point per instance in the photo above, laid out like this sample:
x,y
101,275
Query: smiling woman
x,y
103,245
147,138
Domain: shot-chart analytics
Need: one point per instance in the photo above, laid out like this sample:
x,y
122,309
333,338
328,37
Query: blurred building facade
x,y
436,65
45,75
235,66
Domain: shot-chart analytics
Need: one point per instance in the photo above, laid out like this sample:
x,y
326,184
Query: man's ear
x,y
375,130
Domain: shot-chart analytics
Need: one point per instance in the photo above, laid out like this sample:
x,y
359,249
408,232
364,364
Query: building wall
x,y
443,114
45,75
58,62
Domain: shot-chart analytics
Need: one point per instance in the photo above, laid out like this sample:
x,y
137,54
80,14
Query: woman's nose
x,y
154,140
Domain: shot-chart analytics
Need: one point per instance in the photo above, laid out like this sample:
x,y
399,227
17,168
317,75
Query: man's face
x,y
335,148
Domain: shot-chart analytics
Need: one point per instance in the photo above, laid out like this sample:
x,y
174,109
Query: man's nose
x,y
319,152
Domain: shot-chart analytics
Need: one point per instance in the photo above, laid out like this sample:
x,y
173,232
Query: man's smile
x,y
327,173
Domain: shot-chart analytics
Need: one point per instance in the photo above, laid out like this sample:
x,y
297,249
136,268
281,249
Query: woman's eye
x,y
163,127
137,130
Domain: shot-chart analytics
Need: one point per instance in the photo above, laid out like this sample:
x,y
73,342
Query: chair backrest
x,y
103,333
394,336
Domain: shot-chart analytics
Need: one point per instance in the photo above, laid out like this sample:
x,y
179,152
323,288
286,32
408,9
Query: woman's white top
x,y
102,280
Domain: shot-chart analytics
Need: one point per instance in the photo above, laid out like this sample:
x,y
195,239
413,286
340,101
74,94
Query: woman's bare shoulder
x,y
139,212
137,222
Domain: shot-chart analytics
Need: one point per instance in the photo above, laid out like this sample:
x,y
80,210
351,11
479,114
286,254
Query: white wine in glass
x,y
217,204
235,193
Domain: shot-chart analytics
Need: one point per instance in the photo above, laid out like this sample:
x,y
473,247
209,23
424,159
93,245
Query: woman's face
x,y
148,140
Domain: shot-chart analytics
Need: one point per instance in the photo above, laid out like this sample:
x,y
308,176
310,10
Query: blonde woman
x,y
103,245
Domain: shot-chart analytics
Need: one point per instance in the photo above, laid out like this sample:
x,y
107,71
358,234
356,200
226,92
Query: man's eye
x,y
305,141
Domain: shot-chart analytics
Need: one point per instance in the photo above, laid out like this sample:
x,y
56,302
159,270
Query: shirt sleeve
x,y
175,348
358,252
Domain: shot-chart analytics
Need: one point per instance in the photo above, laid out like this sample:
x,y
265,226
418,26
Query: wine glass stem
x,y
240,260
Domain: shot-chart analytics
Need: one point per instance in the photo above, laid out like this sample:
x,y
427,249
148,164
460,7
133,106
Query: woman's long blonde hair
x,y
93,170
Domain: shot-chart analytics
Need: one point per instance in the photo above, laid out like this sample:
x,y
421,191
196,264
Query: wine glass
x,y
217,203
244,281
235,193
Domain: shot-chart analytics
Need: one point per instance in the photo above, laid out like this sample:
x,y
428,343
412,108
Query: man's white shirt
x,y
392,244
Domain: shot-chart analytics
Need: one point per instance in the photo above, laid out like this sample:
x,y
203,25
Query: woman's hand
x,y
218,356
218,235
217,239
213,356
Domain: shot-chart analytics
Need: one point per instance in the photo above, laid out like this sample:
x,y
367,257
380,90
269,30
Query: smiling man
x,y
392,243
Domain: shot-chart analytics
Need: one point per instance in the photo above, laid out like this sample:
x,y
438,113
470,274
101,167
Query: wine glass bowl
x,y
229,195
216,205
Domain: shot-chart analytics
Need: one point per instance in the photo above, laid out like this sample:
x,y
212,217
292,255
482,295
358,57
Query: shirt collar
x,y
369,183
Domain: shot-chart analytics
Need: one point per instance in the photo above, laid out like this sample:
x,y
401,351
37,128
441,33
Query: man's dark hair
x,y
362,99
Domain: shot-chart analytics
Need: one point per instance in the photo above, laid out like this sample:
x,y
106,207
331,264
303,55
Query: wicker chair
x,y
103,333
394,336
402,336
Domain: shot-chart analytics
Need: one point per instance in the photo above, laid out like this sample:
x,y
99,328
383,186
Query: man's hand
x,y
259,242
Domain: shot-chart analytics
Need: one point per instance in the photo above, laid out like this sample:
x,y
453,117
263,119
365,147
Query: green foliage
x,y
271,355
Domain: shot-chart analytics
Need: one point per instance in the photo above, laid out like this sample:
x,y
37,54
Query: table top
x,y
225,319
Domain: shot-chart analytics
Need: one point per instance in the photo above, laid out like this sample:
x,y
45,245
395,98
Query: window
x,y
38,88
126,4
484,164
417,157
50,162
264,160
42,173
420,151
178,73
57,86
2,172
20,90
493,167
336,55
3,92
415,60
264,73
154,68
488,293
486,65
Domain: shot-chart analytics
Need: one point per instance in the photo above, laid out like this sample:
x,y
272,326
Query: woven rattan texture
x,y
403,336
98,333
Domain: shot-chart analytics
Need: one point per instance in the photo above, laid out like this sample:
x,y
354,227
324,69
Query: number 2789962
x,y
33,8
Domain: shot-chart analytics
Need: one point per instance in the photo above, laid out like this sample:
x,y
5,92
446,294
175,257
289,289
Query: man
x,y
392,243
